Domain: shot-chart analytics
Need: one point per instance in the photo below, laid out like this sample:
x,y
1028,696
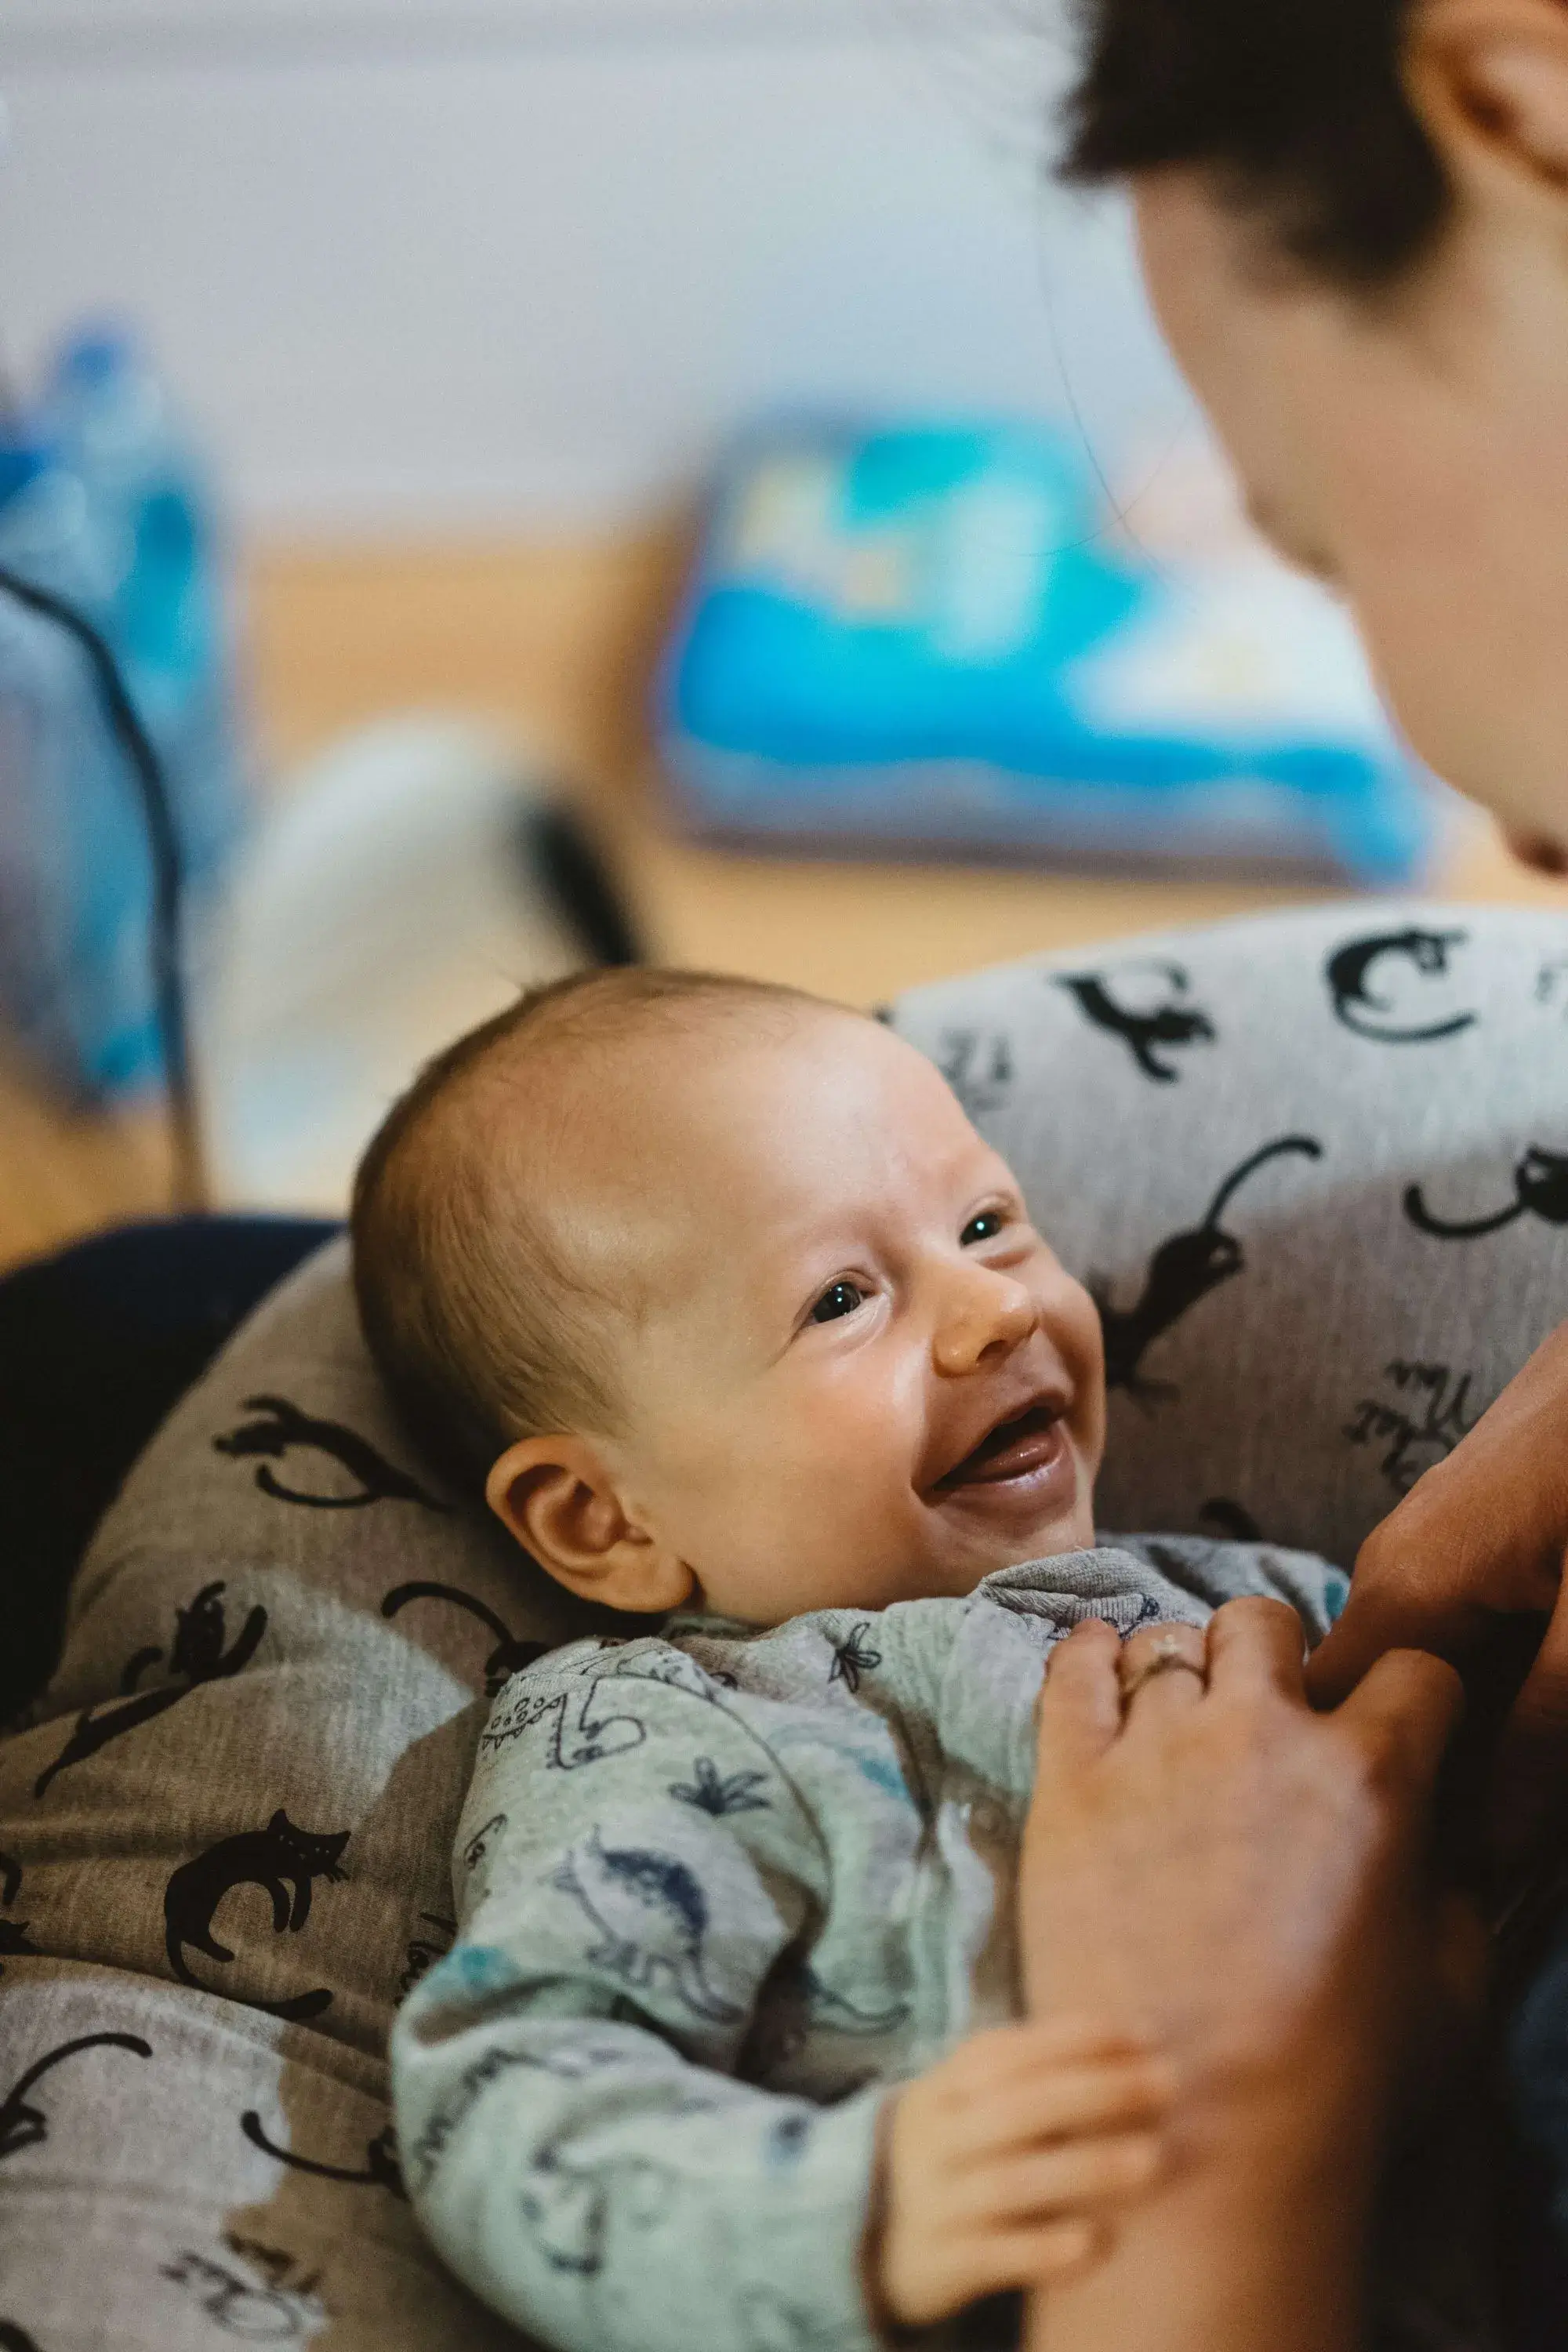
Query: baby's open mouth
x,y
1011,1450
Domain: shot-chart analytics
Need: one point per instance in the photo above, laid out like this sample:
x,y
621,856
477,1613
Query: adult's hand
x,y
1482,1538
1245,1884
1237,1877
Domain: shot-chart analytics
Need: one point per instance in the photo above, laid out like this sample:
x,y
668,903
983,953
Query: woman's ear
x,y
557,1496
1490,81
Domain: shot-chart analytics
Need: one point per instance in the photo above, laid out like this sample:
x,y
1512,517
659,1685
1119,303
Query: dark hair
x,y
481,1331
1297,107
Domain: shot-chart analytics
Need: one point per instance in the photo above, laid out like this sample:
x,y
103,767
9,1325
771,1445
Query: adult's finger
x,y
1409,1592
1256,1645
1479,1538
1532,1776
1164,1671
1405,1711
1081,1706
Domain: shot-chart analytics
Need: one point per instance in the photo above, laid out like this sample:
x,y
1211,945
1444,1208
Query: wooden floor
x,y
558,642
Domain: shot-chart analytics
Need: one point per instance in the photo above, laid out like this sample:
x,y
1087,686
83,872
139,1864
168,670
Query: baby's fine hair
x,y
480,1330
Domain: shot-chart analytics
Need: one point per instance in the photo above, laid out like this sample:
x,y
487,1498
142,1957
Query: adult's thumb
x,y
1405,1711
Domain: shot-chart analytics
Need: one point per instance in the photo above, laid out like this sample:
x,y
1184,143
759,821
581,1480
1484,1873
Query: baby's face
x,y
851,1370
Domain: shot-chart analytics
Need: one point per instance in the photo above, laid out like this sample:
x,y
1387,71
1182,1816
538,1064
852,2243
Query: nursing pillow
x,y
1314,1167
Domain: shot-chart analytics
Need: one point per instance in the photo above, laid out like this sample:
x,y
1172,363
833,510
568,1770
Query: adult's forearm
x,y
1245,1880
1244,2251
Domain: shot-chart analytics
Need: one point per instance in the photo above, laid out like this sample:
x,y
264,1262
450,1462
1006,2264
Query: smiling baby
x,y
744,1330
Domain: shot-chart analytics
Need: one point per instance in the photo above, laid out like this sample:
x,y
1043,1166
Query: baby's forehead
x,y
644,1146
735,1085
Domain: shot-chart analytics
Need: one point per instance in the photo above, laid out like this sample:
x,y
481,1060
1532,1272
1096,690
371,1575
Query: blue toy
x,y
919,637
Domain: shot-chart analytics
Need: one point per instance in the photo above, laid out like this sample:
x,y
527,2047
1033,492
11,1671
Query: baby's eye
x,y
838,1299
984,1228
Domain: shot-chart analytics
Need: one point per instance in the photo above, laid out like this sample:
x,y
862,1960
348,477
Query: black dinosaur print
x,y
510,1655
1229,1520
380,2169
286,1425
568,2205
713,1792
283,1860
1168,1025
1182,1270
1349,973
581,1732
652,1913
854,1656
196,1655
425,1950
979,1068
16,2339
479,1846
1431,1417
22,2126
258,2315
677,1670
1539,1189
10,1880
422,2159
586,2053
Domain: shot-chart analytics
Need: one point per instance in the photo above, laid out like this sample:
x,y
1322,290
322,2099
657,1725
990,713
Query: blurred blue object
x,y
103,505
922,638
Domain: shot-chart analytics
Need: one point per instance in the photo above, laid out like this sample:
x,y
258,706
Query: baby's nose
x,y
988,1315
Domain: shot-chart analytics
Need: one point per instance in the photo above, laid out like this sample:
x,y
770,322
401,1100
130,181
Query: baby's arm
x,y
999,2166
633,1867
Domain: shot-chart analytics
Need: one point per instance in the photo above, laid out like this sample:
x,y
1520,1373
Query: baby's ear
x,y
558,1498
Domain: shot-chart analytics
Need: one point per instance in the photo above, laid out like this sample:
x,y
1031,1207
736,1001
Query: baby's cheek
x,y
1080,1337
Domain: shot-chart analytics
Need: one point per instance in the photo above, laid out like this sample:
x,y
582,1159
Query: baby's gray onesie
x,y
717,1888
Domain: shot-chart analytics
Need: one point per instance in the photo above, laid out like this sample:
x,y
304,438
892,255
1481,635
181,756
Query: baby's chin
x,y
955,1568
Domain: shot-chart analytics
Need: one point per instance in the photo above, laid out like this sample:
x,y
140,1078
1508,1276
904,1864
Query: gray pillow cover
x,y
227,1831
1317,1168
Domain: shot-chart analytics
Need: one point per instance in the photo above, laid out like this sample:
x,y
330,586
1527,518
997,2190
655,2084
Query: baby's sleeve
x,y
632,1863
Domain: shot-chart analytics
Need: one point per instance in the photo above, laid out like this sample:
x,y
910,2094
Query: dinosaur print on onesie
x,y
652,1916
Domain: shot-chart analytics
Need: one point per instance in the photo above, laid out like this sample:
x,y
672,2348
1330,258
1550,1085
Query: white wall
x,y
458,262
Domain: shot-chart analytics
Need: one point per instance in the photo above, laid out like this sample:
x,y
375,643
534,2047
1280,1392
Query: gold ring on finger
x,y
1166,1657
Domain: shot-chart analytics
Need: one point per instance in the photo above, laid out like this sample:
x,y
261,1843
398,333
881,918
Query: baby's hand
x,y
997,2164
